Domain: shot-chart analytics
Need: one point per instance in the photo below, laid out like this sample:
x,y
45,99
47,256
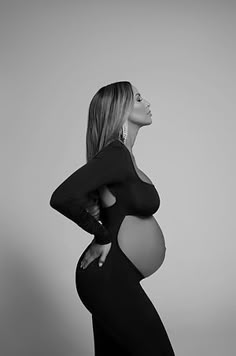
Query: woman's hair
x,y
108,110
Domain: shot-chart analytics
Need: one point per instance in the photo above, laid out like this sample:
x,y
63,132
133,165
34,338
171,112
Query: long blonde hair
x,y
109,109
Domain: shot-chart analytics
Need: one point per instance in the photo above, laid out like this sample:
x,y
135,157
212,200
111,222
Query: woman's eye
x,y
139,98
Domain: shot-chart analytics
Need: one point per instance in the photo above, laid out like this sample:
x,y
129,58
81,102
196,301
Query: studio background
x,y
180,55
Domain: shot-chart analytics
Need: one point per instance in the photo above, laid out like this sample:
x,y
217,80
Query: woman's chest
x,y
135,196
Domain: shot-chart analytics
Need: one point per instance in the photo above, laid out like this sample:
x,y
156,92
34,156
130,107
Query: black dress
x,y
125,322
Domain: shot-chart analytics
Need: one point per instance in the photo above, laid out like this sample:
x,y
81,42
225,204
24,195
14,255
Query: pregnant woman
x,y
112,199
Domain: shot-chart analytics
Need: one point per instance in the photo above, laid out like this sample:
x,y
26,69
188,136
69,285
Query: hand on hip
x,y
94,251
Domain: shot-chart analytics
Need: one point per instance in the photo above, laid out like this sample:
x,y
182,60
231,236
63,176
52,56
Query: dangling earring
x,y
125,131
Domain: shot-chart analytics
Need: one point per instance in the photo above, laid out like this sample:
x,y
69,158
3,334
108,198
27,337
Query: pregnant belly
x,y
142,241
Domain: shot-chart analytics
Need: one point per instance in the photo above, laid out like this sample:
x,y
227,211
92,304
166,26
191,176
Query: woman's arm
x,y
70,198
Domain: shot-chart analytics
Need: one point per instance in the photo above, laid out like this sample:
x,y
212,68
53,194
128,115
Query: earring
x,y
125,131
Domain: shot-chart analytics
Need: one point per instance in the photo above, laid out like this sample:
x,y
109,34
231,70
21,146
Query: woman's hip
x,y
116,272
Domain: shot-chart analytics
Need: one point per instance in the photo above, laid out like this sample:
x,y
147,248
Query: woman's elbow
x,y
54,201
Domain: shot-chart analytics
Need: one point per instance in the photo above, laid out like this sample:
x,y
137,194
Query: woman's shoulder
x,y
112,148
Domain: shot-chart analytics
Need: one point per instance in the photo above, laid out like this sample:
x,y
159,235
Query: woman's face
x,y
141,114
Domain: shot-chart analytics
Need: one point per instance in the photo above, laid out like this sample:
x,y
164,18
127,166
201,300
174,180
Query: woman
x,y
110,198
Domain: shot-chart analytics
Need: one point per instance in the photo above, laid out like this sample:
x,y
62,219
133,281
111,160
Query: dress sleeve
x,y
70,197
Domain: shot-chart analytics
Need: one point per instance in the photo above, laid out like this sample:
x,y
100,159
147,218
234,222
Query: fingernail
x,y
100,264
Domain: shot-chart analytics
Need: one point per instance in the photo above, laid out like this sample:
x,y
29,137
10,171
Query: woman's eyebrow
x,y
137,94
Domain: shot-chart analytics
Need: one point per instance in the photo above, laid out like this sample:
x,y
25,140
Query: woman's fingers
x,y
94,211
101,261
86,261
93,252
88,258
104,254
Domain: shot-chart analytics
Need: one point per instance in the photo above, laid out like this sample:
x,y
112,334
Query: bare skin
x,y
149,253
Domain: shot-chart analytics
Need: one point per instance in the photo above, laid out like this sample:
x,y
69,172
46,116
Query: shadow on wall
x,y
31,323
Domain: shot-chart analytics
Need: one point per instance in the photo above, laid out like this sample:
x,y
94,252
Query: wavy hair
x,y
109,109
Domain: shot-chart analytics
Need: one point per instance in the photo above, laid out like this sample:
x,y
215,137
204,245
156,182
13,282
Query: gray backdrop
x,y
181,56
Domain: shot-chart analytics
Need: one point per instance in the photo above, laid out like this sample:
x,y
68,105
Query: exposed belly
x,y
142,241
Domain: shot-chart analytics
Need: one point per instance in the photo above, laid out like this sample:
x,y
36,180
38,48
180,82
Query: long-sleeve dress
x,y
125,322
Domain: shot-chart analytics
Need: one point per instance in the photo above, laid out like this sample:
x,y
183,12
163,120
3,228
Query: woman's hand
x,y
95,250
94,210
